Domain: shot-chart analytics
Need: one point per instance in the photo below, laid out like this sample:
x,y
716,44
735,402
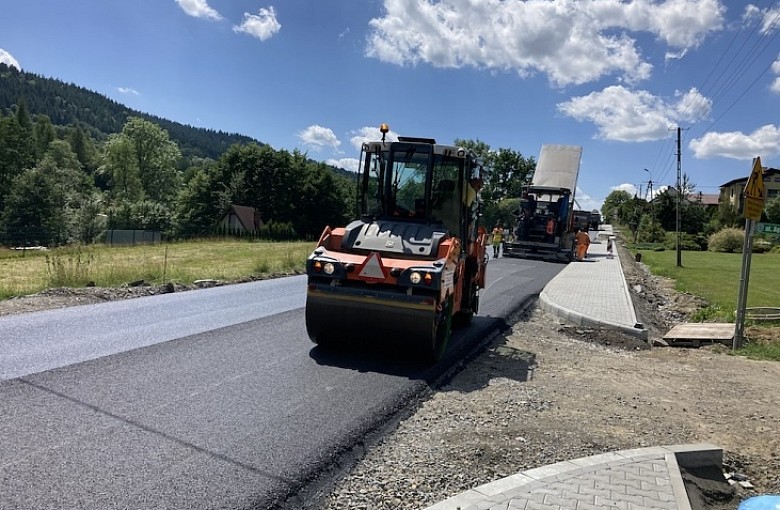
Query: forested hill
x,y
68,104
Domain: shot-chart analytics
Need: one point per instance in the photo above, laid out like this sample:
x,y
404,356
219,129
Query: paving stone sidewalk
x,y
644,478
594,292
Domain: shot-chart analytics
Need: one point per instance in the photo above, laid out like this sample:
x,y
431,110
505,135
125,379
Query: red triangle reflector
x,y
372,269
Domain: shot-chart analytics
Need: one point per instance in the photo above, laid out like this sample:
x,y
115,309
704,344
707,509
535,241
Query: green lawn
x,y
715,276
32,271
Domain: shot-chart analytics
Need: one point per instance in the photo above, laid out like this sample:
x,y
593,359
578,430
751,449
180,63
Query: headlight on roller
x,y
328,268
415,277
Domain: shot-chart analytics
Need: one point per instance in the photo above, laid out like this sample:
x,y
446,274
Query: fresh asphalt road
x,y
204,399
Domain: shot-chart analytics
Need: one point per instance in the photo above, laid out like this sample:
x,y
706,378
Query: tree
x,y
272,179
84,148
772,210
17,151
503,212
43,133
198,210
614,204
323,201
727,215
89,220
121,167
693,215
31,214
156,156
74,191
506,171
650,231
286,188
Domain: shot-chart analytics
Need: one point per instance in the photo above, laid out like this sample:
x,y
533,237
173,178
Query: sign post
x,y
753,207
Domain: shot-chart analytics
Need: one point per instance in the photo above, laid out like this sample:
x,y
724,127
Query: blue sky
x,y
614,77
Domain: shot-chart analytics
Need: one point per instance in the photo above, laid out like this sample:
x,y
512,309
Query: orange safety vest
x,y
550,227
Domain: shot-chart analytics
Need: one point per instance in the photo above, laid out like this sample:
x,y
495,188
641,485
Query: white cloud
x,y
198,9
679,23
571,41
262,25
586,202
775,87
349,164
127,90
770,22
8,59
628,188
764,141
319,137
635,116
370,134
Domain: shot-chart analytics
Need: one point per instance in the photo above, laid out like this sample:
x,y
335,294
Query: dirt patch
x,y
708,489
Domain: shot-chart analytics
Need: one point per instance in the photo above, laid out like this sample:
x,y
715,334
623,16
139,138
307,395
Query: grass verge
x,y
716,277
28,272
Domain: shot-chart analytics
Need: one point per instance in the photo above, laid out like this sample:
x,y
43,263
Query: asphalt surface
x,y
32,343
205,399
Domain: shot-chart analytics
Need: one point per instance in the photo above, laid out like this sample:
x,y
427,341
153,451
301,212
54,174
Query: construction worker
x,y
498,237
549,229
583,242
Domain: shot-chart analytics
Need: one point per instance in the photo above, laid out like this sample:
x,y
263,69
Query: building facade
x,y
734,191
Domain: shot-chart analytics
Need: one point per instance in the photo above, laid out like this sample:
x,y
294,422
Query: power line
x,y
719,88
735,78
724,83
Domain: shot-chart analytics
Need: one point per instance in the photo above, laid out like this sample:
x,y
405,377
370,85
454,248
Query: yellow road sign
x,y
755,184
753,208
754,192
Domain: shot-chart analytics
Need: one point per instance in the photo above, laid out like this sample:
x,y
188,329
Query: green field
x,y
28,272
715,277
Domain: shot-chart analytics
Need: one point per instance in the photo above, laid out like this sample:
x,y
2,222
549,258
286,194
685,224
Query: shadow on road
x,y
405,360
379,357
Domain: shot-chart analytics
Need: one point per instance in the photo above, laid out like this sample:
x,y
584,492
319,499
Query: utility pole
x,y
679,194
650,192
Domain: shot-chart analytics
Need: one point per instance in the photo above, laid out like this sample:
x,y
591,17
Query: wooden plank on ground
x,y
701,332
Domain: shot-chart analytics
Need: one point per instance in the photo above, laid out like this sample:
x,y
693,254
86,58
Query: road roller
x,y
413,263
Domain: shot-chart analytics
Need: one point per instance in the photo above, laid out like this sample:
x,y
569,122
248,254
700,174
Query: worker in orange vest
x,y
549,230
583,243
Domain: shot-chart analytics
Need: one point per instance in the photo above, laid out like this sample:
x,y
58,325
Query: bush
x,y
712,313
729,240
650,231
687,242
761,246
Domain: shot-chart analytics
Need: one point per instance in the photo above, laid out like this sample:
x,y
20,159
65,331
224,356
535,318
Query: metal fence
x,y
131,237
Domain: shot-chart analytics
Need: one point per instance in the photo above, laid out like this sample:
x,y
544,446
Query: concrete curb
x,y
580,319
